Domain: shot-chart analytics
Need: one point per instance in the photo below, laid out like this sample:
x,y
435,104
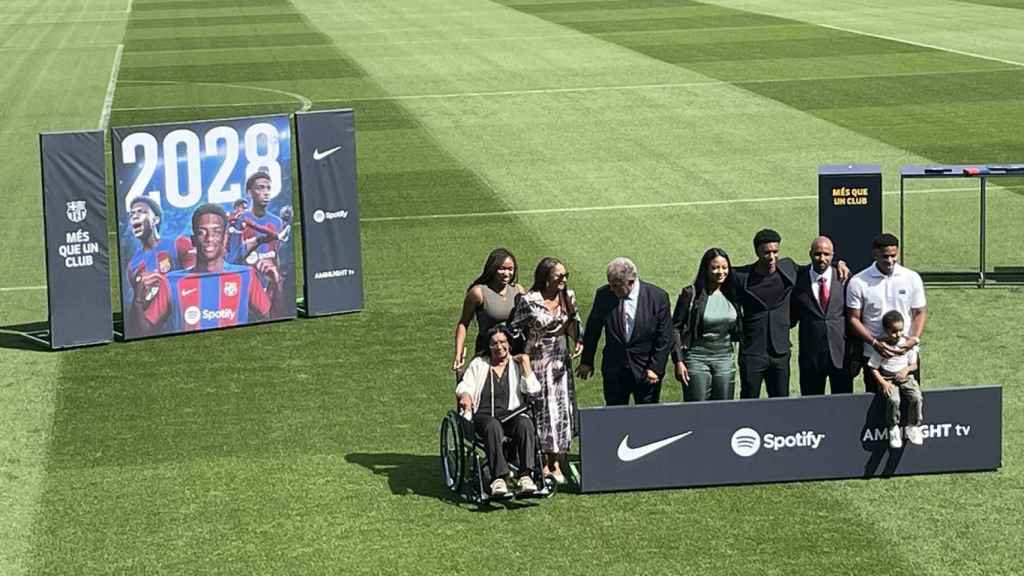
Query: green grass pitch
x,y
308,447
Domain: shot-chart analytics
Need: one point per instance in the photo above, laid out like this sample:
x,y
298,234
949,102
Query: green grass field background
x,y
309,446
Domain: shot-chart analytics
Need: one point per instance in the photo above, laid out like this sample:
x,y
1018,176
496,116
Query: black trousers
x,y
620,385
768,368
520,430
817,367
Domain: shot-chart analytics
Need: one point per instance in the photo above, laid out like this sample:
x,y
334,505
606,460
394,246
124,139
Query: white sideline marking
x,y
108,102
578,89
600,209
21,288
128,10
304,101
683,204
923,45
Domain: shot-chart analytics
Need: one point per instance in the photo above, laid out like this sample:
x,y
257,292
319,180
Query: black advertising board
x,y
331,247
783,439
77,250
850,210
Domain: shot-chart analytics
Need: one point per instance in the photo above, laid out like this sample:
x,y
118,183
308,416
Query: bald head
x,y
821,254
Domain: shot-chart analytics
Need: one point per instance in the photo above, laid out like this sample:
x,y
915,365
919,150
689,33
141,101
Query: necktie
x,y
823,294
622,317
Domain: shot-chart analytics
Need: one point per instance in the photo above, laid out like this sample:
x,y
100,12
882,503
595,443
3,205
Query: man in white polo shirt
x,y
879,288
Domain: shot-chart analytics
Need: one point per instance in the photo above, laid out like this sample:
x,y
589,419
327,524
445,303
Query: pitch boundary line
x,y
654,205
924,45
108,101
577,209
304,101
536,91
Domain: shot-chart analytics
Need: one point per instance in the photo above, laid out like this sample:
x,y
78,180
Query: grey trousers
x,y
908,392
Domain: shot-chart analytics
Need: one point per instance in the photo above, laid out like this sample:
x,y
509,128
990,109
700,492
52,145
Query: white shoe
x,y
895,437
499,488
526,486
914,435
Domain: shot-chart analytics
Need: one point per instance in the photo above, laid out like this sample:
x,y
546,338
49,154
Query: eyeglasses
x,y
559,277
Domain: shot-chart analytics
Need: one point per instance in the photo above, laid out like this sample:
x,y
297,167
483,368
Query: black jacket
x,y
820,329
765,330
688,320
648,346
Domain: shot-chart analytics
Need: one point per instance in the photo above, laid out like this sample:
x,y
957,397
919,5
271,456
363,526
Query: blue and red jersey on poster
x,y
162,258
236,247
204,300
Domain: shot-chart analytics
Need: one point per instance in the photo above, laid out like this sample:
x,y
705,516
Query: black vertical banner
x,y
850,210
331,249
77,250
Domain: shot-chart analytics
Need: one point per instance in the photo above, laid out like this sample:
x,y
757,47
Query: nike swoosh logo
x,y
189,291
318,155
627,454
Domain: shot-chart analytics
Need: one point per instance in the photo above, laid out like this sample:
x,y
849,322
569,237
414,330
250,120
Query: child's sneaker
x,y
914,435
895,437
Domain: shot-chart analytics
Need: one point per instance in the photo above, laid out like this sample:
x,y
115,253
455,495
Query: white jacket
x,y
476,375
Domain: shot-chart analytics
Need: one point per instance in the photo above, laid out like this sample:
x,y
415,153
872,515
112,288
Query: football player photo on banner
x,y
204,222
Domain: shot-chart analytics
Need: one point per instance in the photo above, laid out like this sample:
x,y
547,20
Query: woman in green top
x,y
490,299
706,326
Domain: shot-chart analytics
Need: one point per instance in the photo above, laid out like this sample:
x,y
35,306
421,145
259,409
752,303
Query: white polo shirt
x,y
874,294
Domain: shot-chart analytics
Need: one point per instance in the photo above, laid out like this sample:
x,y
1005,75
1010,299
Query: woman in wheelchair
x,y
492,388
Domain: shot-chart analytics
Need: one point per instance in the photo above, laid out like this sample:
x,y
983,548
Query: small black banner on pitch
x,y
331,252
850,210
783,439
77,251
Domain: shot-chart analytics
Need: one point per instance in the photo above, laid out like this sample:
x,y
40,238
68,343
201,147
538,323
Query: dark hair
x,y
701,281
540,280
494,261
209,209
884,241
154,207
499,328
890,318
239,202
766,236
256,176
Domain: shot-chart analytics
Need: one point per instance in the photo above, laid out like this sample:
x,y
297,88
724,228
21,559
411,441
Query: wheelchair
x,y
464,466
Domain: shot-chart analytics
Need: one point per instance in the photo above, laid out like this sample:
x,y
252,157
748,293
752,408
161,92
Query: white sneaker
x,y
526,486
499,488
915,435
895,437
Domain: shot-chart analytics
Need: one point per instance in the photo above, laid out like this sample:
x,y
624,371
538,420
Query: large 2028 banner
x,y
204,214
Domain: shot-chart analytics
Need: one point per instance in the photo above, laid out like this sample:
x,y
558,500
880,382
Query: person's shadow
x,y
878,448
419,475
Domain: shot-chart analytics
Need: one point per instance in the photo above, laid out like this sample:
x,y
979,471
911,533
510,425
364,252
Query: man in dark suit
x,y
637,320
818,304
763,290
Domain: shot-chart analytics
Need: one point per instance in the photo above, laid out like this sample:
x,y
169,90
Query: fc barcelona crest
x,y
231,289
77,211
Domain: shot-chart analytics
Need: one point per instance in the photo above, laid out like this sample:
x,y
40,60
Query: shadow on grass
x,y
420,475
31,336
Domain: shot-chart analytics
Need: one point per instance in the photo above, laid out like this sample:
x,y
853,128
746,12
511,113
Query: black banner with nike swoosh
x,y
783,439
331,248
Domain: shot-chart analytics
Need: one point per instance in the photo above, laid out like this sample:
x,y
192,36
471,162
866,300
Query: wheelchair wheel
x,y
549,486
453,455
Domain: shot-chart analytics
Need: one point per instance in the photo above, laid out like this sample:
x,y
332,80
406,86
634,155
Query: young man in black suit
x,y
818,304
637,320
763,290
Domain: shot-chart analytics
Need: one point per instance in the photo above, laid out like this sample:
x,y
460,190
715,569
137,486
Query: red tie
x,y
823,293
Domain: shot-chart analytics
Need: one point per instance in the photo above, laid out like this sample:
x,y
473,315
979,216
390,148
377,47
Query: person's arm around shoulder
x,y
470,304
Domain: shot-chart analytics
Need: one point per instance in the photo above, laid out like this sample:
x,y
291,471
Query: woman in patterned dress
x,y
547,317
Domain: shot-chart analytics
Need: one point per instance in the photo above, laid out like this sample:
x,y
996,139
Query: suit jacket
x,y
820,329
649,345
765,330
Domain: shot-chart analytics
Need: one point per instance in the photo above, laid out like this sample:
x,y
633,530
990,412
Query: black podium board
x,y
850,210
